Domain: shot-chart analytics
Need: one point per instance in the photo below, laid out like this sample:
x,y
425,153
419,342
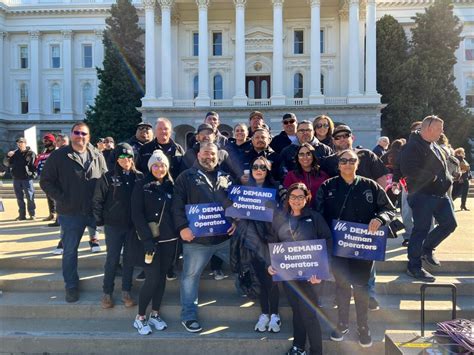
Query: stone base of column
x,y
202,101
239,101
149,102
372,98
278,100
356,99
165,102
316,99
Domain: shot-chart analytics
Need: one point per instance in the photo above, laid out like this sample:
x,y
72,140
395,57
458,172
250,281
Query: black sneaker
x,y
72,294
405,243
140,276
365,340
20,218
192,326
171,275
430,259
54,224
421,274
294,350
373,304
338,333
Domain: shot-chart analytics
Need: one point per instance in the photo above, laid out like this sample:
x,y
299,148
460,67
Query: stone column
x,y
315,97
2,69
150,76
166,99
353,87
240,98
203,98
66,110
371,51
34,65
277,98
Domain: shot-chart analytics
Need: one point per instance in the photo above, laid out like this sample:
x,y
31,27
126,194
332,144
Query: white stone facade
x,y
233,56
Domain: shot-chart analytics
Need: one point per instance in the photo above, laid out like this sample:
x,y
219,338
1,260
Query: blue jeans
x,y
371,282
22,188
196,257
73,228
422,240
115,238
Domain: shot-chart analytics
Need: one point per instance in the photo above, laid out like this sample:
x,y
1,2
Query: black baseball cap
x,y
341,128
143,123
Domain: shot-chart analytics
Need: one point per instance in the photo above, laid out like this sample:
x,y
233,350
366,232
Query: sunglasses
x,y
288,121
80,133
341,136
259,167
297,197
302,154
125,156
344,161
322,125
144,128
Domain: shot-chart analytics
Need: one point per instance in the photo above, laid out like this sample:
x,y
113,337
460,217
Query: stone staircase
x,y
34,318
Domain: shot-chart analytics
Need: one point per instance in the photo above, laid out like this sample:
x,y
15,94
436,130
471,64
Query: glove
x,y
148,246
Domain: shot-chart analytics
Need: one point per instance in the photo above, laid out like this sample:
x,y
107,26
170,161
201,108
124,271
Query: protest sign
x,y
353,240
251,203
207,219
300,260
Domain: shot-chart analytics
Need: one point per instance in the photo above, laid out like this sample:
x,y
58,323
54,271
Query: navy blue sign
x,y
251,203
353,240
300,260
207,219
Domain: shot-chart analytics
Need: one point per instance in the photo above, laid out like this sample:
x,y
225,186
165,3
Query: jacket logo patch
x,y
368,196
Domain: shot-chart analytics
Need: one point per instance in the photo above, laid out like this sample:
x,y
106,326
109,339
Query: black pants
x,y
155,277
355,273
461,189
51,205
216,263
269,294
301,296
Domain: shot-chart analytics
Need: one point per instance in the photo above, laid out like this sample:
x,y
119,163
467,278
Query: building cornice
x,y
58,9
411,3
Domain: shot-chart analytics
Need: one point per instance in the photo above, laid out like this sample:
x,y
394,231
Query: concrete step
x,y
111,336
91,279
394,309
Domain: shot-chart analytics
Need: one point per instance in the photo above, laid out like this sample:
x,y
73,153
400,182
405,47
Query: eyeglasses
x,y
307,130
341,136
108,141
344,161
303,154
259,167
297,197
80,133
322,125
285,122
125,156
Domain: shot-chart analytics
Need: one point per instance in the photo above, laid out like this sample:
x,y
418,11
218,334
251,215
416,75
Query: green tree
x,y
114,111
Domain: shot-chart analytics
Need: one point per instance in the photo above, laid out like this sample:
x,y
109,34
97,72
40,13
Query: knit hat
x,y
158,157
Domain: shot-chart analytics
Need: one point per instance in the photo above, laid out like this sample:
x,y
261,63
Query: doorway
x,y
258,87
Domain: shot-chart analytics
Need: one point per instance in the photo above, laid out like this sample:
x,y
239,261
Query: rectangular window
x,y
470,101
195,44
321,41
87,55
469,48
24,99
24,57
55,56
298,42
217,43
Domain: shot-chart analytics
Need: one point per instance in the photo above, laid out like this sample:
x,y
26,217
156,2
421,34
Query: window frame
x,y
298,43
85,104
469,49
23,110
195,44
54,110
84,45
216,45
195,86
297,91
21,58
215,92
322,41
55,45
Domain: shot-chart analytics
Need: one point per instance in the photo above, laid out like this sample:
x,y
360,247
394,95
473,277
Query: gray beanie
x,y
158,157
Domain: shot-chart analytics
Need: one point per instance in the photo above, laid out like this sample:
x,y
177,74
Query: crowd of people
x,y
139,189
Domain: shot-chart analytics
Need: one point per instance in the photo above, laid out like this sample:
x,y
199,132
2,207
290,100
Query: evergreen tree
x,y
121,79
435,38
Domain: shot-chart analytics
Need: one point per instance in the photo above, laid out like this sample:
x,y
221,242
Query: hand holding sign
x,y
374,225
271,270
186,234
314,280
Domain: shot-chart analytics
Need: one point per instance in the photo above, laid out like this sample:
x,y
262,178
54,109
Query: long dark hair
x,y
314,164
269,181
293,187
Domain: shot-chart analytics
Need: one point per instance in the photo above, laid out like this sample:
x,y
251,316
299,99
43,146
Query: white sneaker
x,y
95,246
142,326
274,324
262,323
58,251
157,322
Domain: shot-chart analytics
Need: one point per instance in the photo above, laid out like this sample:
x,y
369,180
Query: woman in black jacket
x,y
353,198
111,207
151,214
299,223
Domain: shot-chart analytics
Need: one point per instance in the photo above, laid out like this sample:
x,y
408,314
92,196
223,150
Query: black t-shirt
x,y
370,165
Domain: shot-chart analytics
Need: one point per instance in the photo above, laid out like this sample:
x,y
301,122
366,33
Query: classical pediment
x,y
259,39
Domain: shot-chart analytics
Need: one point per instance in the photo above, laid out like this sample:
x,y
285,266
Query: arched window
x,y
322,84
218,90
251,91
87,100
195,86
298,86
24,98
56,98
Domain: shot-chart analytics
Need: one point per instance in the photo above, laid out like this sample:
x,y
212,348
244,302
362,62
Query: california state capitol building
x,y
309,57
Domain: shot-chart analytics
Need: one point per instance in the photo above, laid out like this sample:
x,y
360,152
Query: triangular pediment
x,y
259,33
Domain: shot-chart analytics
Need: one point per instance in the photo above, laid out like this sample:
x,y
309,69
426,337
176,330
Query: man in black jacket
x,y
162,141
23,170
424,165
288,135
143,135
201,184
69,178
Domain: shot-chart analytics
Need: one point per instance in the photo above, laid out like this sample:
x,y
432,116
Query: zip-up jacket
x,y
174,153
68,183
22,164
